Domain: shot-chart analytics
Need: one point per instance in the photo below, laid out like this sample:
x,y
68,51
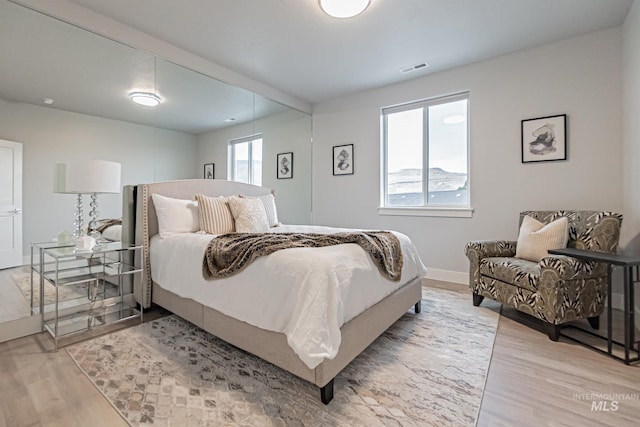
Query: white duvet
x,y
305,293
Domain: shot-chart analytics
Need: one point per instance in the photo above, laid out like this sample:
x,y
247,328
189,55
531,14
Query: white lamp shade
x,y
87,176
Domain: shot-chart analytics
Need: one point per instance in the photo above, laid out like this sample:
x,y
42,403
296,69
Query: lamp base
x,y
85,243
93,215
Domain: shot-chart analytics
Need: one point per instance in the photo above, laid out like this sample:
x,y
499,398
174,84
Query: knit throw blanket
x,y
103,224
229,253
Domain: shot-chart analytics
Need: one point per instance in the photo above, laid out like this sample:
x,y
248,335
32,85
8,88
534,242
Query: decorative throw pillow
x,y
175,215
249,215
215,215
536,238
269,203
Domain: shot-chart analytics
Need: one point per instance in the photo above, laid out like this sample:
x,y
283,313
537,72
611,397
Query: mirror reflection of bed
x,y
309,308
184,135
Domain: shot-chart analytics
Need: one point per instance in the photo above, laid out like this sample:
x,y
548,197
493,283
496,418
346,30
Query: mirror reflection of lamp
x,y
87,177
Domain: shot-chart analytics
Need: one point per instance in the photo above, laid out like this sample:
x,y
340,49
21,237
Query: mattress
x,y
305,293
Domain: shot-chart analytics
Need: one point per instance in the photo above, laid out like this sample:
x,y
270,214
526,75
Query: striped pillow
x,y
215,215
269,203
536,238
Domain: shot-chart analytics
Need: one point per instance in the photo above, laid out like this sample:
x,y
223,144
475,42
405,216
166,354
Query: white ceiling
x,y
294,47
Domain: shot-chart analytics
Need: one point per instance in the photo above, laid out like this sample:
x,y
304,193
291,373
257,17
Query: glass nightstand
x,y
81,290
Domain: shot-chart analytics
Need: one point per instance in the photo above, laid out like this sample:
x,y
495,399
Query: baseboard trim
x,y
19,328
447,276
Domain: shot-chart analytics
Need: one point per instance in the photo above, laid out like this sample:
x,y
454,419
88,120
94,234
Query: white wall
x,y
631,131
631,124
51,136
285,132
579,77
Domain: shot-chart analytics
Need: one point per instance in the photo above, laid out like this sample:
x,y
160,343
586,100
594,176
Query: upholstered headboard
x,y
140,222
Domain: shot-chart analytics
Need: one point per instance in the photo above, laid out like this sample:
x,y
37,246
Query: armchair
x,y
558,289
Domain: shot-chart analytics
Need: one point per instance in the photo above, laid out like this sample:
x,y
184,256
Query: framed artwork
x,y
544,139
285,166
343,159
209,171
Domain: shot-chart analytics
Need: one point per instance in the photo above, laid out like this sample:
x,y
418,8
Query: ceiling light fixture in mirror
x,y
145,98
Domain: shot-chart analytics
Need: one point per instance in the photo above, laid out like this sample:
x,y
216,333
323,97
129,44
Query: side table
x,y
629,264
64,266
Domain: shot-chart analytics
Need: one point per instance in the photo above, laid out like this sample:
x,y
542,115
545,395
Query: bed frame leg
x,y
326,392
418,307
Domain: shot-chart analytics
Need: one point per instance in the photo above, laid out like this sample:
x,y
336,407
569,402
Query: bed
x,y
172,279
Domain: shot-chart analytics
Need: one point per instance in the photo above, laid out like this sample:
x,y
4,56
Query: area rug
x,y
427,369
23,282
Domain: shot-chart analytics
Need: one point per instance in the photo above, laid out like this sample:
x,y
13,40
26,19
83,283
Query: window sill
x,y
448,212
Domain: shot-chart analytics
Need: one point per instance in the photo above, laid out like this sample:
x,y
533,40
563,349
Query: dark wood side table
x,y
628,264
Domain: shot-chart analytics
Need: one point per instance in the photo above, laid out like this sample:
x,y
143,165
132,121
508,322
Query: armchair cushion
x,y
567,268
519,272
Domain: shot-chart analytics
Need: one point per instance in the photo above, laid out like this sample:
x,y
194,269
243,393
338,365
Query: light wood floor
x,y
532,381
13,305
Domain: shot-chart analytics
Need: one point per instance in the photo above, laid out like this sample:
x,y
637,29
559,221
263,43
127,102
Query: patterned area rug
x,y
427,369
23,282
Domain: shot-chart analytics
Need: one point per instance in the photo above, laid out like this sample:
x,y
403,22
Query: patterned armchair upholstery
x,y
557,289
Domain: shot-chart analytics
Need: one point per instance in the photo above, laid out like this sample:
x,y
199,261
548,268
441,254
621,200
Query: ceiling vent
x,y
414,67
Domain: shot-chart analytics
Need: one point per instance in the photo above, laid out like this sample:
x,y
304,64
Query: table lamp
x,y
87,177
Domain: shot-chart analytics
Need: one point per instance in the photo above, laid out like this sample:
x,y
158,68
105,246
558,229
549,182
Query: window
x,y
425,160
246,160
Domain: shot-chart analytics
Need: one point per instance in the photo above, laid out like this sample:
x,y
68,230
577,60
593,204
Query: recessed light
x,y
230,119
47,101
147,99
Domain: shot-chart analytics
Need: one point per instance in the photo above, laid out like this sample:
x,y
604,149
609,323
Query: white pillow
x,y
536,238
249,215
113,233
175,215
215,215
269,203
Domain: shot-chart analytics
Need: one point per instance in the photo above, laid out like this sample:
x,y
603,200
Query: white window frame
x,y
232,156
461,211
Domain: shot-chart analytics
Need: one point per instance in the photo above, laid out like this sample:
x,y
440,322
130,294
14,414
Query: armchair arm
x,y
479,249
562,267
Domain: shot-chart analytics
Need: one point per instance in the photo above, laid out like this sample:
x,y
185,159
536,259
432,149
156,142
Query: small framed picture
x,y
544,139
343,159
209,171
285,166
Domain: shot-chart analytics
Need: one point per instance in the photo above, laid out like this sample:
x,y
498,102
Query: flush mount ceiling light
x,y
343,8
145,98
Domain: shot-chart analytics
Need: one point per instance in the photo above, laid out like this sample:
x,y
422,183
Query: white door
x,y
10,204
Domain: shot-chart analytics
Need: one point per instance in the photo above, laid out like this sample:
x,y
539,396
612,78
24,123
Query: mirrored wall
x,y
64,96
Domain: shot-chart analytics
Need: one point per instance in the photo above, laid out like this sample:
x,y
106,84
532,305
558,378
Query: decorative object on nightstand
x,y
87,177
